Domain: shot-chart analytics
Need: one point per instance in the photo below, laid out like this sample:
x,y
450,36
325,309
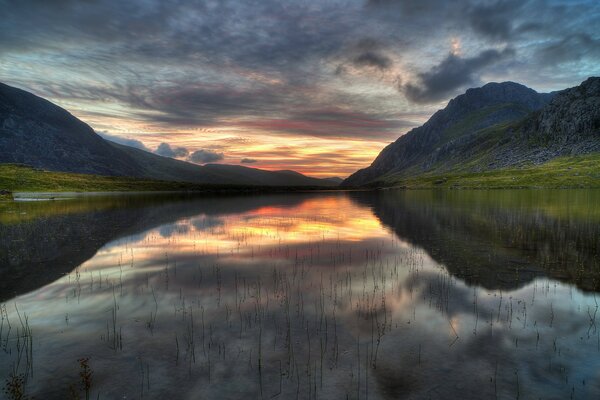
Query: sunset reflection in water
x,y
301,296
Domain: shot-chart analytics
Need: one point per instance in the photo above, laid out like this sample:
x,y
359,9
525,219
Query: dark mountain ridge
x,y
495,126
38,133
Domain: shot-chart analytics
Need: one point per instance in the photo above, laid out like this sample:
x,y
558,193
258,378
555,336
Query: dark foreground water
x,y
388,295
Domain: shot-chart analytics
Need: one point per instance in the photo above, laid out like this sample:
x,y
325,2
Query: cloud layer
x,y
166,150
342,69
205,156
452,73
127,141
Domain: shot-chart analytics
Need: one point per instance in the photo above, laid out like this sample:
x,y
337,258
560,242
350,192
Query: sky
x,y
317,86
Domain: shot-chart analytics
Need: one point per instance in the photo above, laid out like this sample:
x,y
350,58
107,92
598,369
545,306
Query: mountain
x,y
336,180
496,126
36,132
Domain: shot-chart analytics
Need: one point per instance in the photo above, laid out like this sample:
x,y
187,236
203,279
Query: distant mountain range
x,y
497,126
38,133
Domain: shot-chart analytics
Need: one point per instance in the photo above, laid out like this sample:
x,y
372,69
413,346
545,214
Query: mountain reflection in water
x,y
379,295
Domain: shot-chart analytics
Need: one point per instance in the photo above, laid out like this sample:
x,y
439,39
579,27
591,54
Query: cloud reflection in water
x,y
307,296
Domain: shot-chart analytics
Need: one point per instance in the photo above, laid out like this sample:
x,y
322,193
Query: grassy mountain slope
x,y
561,172
22,178
479,146
35,132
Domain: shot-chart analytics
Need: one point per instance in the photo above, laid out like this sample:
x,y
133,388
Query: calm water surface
x,y
386,295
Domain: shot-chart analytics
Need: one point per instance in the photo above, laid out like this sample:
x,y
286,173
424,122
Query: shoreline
x,y
49,196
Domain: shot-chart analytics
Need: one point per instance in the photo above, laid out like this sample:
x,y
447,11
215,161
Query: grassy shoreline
x,y
21,178
560,173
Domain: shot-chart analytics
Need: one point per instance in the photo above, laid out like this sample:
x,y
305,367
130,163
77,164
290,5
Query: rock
x,y
496,126
5,194
451,128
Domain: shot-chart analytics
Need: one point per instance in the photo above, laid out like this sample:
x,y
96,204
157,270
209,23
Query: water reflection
x,y
500,239
362,295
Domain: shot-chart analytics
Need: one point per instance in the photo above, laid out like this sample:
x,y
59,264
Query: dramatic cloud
x,y
373,59
207,223
202,104
248,161
452,73
205,156
333,123
124,141
319,72
166,150
572,48
495,19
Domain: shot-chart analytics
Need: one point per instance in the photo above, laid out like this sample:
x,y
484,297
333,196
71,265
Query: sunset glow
x,y
315,87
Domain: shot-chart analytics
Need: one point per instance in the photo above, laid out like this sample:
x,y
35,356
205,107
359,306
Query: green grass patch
x,y
466,125
563,172
22,178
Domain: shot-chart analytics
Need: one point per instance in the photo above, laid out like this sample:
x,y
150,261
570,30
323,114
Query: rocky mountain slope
x,y
496,126
36,132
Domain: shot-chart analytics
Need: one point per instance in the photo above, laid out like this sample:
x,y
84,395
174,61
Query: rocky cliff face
x,y
496,126
569,125
573,114
464,115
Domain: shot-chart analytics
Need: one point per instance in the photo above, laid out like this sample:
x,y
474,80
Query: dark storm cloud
x,y
184,103
363,54
166,150
369,52
124,141
332,123
571,48
205,63
257,34
416,7
525,25
205,156
495,20
373,59
47,25
248,161
452,73
202,104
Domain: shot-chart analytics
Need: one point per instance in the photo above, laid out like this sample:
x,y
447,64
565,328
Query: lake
x,y
332,295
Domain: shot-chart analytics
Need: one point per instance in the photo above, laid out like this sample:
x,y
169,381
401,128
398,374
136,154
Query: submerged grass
x,y
322,320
